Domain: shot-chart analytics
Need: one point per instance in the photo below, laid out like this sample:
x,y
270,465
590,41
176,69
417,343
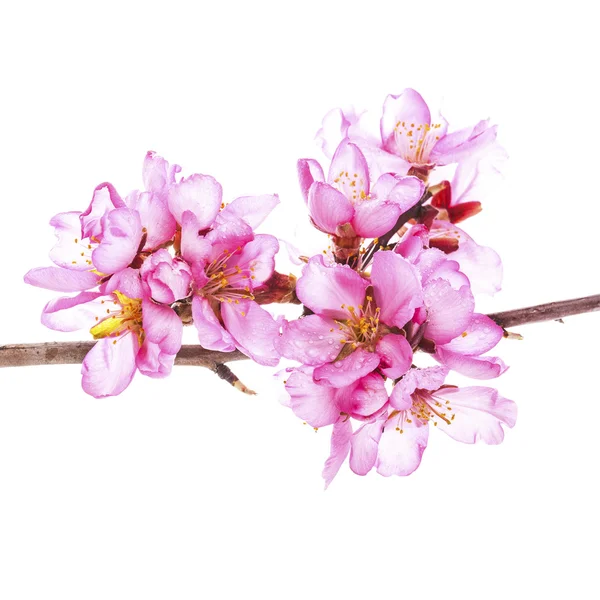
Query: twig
x,y
66,353
547,312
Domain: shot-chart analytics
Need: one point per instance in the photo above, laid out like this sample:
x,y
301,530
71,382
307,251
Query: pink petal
x,y
381,162
309,171
340,446
324,289
364,446
67,250
401,453
194,247
464,143
121,236
334,129
349,172
363,398
157,173
253,329
105,199
328,207
109,366
477,367
257,258
404,192
396,286
253,209
168,278
480,412
430,378
163,329
311,340
61,280
153,362
71,314
480,336
155,217
347,371
162,326
211,333
127,282
201,194
449,311
396,355
409,107
228,232
374,217
312,403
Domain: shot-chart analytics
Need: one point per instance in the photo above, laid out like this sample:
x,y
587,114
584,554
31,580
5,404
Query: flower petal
x,y
396,286
349,172
72,313
449,311
477,367
66,252
396,355
195,248
480,336
201,194
430,378
309,171
348,370
253,209
374,217
364,445
312,403
257,258
340,446
409,107
401,446
61,280
464,143
480,412
157,173
253,329
109,366
127,281
311,340
211,333
159,223
328,207
104,200
325,288
121,236
169,279
363,398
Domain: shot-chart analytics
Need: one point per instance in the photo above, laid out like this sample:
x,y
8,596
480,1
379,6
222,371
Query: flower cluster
x,y
396,286
140,263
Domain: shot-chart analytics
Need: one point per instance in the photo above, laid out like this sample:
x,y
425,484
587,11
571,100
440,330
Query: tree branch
x,y
68,353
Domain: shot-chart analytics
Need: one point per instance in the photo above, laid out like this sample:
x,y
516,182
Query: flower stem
x,y
67,353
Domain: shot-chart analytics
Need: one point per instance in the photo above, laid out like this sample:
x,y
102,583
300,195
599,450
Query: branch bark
x,y
67,353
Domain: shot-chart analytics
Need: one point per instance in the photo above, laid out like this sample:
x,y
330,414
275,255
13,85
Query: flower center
x,y
416,140
352,186
362,328
228,283
126,316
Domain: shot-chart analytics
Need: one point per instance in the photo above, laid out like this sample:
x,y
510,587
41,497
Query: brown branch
x,y
552,311
67,353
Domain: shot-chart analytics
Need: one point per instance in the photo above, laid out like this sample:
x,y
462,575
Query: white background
x,y
182,488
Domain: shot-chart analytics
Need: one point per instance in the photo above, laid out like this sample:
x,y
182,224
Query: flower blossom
x,y
346,205
409,138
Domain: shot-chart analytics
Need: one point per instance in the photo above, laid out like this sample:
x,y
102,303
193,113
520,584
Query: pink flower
x,y
347,197
101,241
356,324
134,332
409,137
228,263
394,441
